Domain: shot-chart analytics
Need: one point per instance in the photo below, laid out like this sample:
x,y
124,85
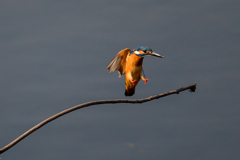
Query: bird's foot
x,y
145,80
133,81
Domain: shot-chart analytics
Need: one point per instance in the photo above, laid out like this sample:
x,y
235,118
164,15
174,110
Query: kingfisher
x,y
129,62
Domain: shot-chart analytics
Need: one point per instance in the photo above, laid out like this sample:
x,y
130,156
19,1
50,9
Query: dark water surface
x,y
53,55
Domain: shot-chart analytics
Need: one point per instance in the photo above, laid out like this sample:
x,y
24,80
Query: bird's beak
x,y
155,54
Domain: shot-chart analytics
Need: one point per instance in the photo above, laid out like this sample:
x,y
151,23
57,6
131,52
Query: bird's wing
x,y
119,62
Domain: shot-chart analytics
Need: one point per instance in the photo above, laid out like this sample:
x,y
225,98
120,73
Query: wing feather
x,y
119,62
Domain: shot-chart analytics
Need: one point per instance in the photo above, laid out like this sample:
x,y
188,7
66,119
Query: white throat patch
x,y
136,52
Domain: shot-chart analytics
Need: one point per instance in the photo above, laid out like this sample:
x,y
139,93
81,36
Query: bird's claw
x,y
133,81
145,80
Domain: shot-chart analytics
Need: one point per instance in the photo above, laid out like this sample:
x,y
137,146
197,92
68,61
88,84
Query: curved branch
x,y
192,88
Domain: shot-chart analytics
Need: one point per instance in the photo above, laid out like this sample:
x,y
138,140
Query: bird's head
x,y
145,51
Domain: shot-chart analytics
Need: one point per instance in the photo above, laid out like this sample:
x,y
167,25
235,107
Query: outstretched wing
x,y
119,62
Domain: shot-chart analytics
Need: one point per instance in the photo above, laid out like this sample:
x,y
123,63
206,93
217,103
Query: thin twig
x,y
192,88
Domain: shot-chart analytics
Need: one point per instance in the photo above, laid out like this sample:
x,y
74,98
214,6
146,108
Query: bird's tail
x,y
129,92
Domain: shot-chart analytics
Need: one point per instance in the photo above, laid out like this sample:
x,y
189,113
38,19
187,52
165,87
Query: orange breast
x,y
133,69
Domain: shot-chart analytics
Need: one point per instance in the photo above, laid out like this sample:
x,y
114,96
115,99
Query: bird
x,y
129,62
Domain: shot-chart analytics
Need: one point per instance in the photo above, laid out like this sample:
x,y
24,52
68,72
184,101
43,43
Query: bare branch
x,y
192,88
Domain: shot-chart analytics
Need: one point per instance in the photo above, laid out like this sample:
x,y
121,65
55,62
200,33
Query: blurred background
x,y
53,55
